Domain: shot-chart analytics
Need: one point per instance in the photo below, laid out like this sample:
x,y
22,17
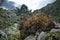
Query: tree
x,y
18,11
24,8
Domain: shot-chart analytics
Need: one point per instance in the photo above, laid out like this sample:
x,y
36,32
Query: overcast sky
x,y
32,4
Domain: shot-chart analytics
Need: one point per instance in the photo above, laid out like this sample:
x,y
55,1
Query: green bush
x,y
53,36
7,38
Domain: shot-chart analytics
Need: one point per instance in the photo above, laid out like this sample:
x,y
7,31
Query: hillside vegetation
x,y
52,9
21,22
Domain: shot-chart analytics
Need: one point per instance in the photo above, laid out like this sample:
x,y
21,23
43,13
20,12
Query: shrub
x,y
36,23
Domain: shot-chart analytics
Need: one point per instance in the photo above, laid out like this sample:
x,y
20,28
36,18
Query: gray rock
x,y
40,37
3,33
30,38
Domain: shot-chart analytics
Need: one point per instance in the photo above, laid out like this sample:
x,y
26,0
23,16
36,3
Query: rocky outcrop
x,y
42,35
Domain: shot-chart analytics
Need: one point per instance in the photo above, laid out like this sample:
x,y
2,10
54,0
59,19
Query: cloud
x,y
8,4
33,4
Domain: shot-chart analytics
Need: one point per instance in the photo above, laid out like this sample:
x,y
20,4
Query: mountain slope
x,y
52,9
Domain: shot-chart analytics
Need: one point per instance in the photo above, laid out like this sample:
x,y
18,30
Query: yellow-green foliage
x,y
16,36
43,19
36,23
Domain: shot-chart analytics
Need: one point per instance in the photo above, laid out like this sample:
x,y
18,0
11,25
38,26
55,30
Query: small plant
x,y
53,36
